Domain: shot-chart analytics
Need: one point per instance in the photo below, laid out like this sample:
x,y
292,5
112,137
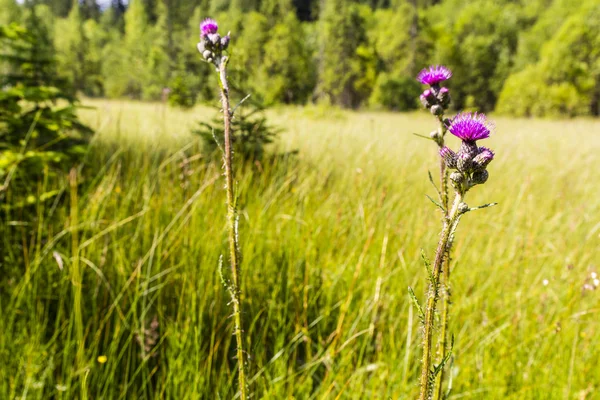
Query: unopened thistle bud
x,y
437,110
457,179
443,97
449,157
469,148
480,177
484,157
464,162
427,98
225,42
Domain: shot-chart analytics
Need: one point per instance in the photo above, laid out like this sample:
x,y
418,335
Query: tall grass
x,y
331,241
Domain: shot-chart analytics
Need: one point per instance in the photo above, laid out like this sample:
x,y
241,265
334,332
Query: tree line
x,y
517,57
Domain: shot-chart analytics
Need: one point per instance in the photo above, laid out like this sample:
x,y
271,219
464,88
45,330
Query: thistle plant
x,y
470,164
213,49
437,100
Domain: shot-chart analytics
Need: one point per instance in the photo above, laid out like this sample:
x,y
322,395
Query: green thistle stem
x,y
446,293
432,297
235,289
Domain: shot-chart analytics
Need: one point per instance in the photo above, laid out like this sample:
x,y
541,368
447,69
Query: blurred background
x,y
520,58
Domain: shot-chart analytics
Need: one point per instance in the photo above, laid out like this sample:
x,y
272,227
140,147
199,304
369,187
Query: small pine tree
x,y
39,127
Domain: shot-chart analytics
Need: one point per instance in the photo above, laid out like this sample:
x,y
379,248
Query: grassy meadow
x,y
331,240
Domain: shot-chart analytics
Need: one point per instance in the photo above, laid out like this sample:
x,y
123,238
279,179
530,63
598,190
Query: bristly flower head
x,y
212,45
471,126
434,74
208,26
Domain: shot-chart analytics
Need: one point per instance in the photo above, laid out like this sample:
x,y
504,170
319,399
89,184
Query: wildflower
x,y
433,75
211,44
545,282
470,127
102,359
207,27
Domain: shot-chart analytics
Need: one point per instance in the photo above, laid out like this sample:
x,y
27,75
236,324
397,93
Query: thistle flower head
x,y
434,74
471,126
212,45
208,27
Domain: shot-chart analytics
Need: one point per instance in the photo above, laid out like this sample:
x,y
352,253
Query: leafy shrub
x,y
396,94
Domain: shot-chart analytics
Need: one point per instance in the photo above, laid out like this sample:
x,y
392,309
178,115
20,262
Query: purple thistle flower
x,y
434,74
471,126
208,26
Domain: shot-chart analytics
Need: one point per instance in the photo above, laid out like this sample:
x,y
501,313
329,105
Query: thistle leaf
x,y
434,185
441,207
422,136
415,301
483,206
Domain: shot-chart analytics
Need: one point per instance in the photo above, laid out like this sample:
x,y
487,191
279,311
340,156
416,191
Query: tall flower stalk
x,y
212,47
470,163
437,100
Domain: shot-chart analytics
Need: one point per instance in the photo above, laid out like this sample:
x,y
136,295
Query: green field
x,y
330,238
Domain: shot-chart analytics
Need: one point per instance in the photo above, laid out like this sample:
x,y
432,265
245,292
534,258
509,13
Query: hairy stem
x,y
446,293
235,289
432,297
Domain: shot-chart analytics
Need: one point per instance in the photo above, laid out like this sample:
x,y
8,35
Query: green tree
x,y
287,66
566,79
159,59
345,60
11,12
479,49
71,46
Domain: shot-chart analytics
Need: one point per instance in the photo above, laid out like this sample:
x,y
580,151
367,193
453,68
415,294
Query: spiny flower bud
x,y
437,137
463,208
464,162
437,110
225,42
427,98
215,39
449,157
469,148
443,97
480,177
484,157
457,179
